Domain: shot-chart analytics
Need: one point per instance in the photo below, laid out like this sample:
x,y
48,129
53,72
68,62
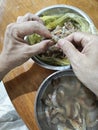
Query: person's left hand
x,y
16,50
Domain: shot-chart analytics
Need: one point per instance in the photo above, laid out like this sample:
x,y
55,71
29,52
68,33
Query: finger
x,y
33,17
19,19
69,50
28,28
28,17
40,47
79,38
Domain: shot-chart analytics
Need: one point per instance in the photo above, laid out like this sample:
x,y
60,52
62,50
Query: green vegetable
x,y
51,22
54,61
48,19
34,38
84,25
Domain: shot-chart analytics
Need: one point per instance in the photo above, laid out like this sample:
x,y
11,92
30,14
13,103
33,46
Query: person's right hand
x,y
84,63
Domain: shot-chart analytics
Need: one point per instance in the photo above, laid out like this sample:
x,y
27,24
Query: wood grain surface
x,y
23,82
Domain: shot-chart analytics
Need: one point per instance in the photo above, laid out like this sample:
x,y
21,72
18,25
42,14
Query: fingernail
x,y
57,45
60,43
51,42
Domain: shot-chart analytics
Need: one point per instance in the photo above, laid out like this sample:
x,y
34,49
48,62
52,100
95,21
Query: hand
x,y
84,63
15,49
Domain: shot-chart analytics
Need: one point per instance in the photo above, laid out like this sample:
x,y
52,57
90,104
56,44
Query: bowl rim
x,y
85,15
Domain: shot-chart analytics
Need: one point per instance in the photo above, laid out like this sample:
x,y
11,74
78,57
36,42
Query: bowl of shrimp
x,y
64,103
61,21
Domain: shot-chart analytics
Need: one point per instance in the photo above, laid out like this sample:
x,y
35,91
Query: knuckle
x,y
19,17
9,26
32,17
27,17
28,14
36,23
12,30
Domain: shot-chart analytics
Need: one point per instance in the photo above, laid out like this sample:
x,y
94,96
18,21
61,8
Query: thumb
x,y
69,50
39,47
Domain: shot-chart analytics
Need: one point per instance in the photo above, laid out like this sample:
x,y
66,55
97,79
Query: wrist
x,y
4,69
91,81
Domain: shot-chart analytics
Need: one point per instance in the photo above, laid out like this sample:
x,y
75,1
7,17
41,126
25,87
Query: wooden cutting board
x,y
23,82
